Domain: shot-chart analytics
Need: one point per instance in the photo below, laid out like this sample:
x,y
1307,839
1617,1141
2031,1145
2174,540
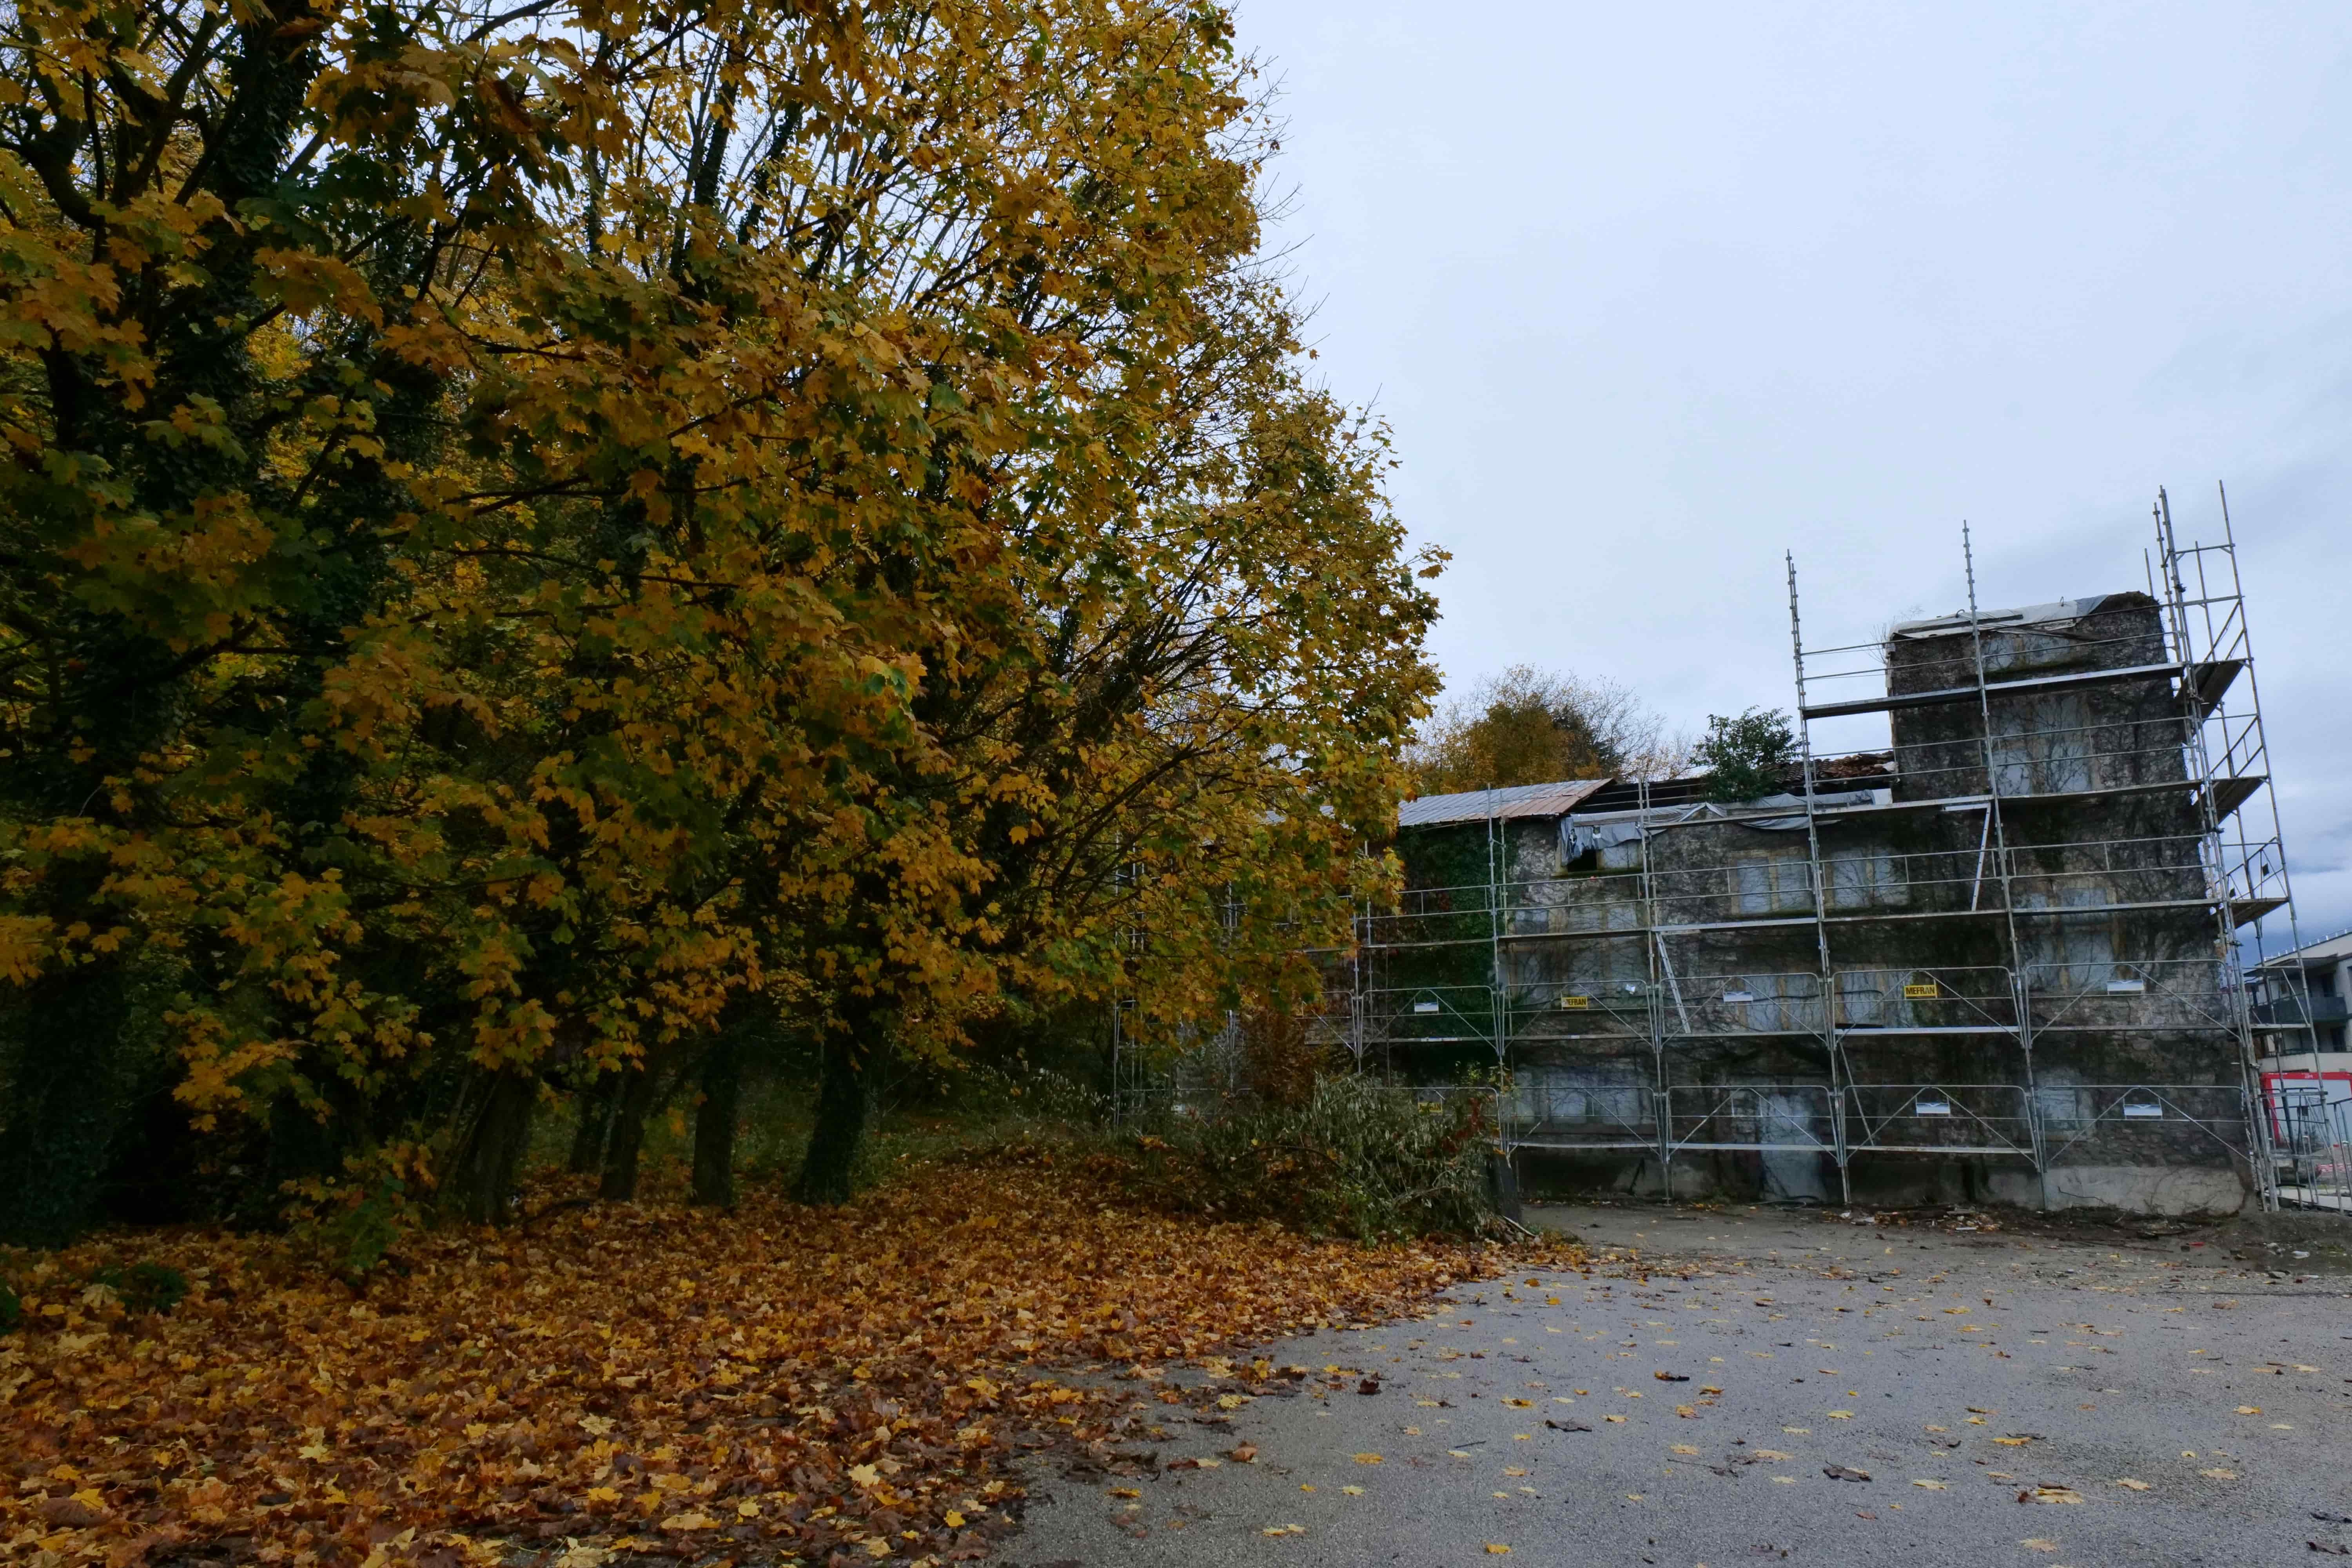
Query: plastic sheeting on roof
x,y
2007,620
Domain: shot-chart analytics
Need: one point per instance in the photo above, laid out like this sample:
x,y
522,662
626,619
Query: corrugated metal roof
x,y
1537,800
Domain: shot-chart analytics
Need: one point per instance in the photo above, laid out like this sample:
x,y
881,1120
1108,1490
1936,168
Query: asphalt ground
x,y
1742,1385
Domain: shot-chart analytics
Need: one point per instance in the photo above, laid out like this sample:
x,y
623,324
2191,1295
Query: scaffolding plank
x,y
2211,681
2228,793
2250,910
2032,685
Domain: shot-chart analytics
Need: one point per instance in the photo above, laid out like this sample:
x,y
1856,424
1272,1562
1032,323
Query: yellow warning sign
x,y
1916,993
1576,1003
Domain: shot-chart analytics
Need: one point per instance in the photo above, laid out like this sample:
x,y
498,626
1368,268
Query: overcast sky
x,y
1651,294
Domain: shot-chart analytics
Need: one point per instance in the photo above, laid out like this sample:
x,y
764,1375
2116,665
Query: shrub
x,y
1356,1158
143,1287
1748,757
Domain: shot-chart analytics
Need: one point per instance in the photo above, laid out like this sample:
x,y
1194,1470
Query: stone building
x,y
1989,960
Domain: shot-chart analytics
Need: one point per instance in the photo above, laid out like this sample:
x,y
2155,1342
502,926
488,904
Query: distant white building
x,y
2299,1008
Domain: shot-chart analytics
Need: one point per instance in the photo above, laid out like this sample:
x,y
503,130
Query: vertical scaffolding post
x,y
1815,873
1653,960
2204,648
1498,1010
1997,831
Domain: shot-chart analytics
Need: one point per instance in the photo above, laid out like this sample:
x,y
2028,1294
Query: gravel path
x,y
1743,1385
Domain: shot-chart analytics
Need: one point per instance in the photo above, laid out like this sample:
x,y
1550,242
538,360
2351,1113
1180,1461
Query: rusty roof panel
x,y
1539,799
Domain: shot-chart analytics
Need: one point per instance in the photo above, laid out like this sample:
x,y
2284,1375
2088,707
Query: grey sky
x,y
1652,293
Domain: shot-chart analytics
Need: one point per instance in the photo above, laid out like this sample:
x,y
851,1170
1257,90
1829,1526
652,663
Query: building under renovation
x,y
1983,945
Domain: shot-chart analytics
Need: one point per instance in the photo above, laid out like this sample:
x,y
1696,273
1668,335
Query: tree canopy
x,y
546,542
1530,726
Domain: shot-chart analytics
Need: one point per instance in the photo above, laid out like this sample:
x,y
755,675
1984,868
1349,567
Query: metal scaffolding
x,y
1836,1024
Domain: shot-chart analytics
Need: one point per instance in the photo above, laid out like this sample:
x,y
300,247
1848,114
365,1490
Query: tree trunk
x,y
628,1139
714,1122
61,1073
489,1158
594,1102
841,1104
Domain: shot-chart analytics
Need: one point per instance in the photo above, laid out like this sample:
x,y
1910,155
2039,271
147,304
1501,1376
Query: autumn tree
x,y
1530,726
537,537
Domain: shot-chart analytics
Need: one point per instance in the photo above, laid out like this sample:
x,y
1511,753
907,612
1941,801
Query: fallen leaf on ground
x,y
1496,1549
2050,1494
1368,1459
1843,1473
2219,1475
1929,1486
2130,1484
2035,1543
770,1350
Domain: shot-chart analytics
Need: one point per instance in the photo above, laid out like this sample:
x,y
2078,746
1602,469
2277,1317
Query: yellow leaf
x,y
955,1519
2250,1410
1929,1486
1682,1448
2130,1484
1840,1415
2219,1475
1125,1491
1353,1491
1368,1459
1495,1548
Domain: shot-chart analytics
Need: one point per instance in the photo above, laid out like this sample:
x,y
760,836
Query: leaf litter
x,y
646,1378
